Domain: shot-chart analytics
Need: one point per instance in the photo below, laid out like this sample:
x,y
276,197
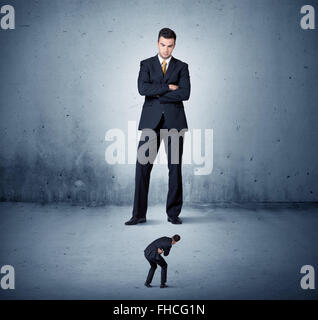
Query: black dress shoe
x,y
135,220
176,220
132,221
148,285
163,286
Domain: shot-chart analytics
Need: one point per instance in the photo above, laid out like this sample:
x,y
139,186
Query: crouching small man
x,y
153,255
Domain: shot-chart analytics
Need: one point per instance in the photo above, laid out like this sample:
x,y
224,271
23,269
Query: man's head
x,y
175,238
166,42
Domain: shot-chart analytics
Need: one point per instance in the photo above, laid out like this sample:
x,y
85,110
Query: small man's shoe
x,y
163,285
148,285
135,220
176,220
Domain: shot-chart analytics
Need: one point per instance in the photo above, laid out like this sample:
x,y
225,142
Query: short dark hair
x,y
167,33
176,237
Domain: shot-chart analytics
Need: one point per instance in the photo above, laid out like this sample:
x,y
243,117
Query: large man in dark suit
x,y
153,255
165,83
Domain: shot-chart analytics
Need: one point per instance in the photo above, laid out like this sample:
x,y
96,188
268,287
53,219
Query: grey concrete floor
x,y
228,251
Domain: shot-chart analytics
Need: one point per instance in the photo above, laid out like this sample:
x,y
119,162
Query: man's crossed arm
x,y
168,93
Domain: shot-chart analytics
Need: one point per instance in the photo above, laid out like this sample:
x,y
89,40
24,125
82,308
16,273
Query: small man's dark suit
x,y
162,109
154,258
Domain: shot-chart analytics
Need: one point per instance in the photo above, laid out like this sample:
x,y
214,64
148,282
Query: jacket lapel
x,y
169,71
156,63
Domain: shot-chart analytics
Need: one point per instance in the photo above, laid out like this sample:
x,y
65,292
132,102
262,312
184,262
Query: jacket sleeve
x,y
183,92
147,88
166,251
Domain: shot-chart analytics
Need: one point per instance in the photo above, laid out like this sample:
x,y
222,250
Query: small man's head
x,y
175,238
166,42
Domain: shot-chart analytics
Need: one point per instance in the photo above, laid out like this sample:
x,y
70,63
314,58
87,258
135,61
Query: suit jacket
x,y
153,84
164,243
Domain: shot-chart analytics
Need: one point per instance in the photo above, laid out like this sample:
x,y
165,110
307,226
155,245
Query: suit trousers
x,y
173,142
154,261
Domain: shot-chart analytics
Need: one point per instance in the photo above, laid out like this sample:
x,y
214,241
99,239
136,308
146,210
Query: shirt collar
x,y
161,59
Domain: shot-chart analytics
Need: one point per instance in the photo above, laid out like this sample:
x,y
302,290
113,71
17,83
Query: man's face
x,y
165,47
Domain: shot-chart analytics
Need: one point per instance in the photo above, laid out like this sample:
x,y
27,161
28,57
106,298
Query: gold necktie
x,y
164,64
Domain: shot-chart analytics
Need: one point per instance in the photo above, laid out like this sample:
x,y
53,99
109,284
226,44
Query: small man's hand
x,y
160,251
173,87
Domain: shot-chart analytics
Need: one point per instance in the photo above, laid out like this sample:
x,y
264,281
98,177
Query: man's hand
x,y
173,86
160,251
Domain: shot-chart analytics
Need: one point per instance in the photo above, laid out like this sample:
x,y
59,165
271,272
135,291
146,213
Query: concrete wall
x,y
69,74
